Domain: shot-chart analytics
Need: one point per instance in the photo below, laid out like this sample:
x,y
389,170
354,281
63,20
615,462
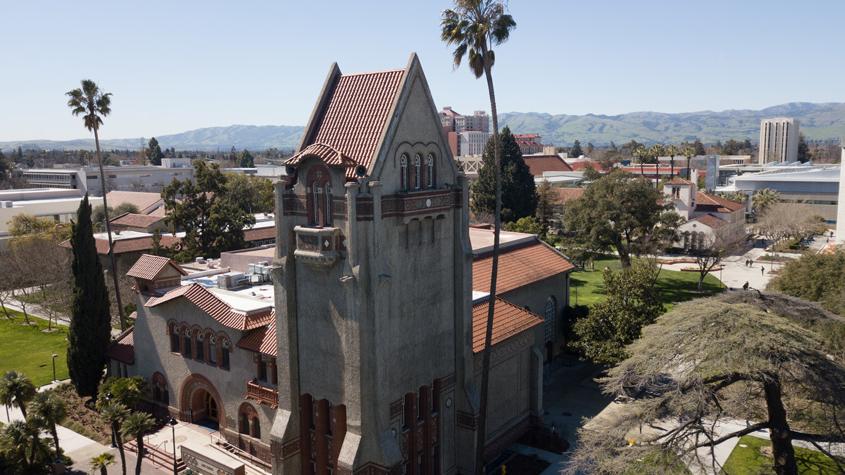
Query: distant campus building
x,y
778,140
356,347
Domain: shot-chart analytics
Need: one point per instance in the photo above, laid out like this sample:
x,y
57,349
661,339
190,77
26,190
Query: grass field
x,y
587,287
750,460
29,350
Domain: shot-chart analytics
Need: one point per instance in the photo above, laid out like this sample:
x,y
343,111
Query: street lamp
x,y
172,422
54,366
113,439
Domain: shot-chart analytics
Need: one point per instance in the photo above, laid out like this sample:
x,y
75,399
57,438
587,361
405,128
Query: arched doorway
x,y
200,403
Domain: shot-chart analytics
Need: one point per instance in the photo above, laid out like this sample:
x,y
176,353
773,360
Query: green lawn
x,y
750,460
28,349
587,287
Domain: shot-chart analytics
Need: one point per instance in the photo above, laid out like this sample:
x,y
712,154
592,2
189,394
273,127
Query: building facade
x,y
778,140
124,178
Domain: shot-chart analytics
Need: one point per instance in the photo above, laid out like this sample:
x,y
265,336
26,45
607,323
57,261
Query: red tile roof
x,y
260,234
355,115
123,347
676,180
538,164
707,202
216,308
261,340
123,246
519,266
713,222
146,202
581,165
148,267
328,154
565,195
508,320
133,220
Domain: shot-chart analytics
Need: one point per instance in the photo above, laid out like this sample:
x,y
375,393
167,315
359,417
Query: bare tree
x,y
709,254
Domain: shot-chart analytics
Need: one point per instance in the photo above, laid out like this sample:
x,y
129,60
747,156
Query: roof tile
x,y
508,320
519,266
148,267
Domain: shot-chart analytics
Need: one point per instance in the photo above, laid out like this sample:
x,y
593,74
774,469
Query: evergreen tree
x,y
576,151
519,196
698,147
247,160
154,153
90,327
803,149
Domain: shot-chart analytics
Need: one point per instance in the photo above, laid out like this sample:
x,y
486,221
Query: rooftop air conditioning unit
x,y
256,278
224,281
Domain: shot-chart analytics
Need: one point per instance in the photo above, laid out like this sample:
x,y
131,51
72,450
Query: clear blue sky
x,y
180,65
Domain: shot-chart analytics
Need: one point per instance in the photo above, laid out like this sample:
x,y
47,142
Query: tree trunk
x,y
672,167
689,172
779,432
481,428
119,440
140,440
624,257
55,440
22,407
104,470
112,259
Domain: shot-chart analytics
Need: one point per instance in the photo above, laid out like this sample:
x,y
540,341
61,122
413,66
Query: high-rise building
x,y
529,143
472,142
778,140
479,121
466,134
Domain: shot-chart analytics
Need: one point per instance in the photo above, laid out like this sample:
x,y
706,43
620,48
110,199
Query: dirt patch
x,y
81,418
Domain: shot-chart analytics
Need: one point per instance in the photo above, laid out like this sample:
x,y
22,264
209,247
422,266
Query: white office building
x,y
472,142
87,179
778,140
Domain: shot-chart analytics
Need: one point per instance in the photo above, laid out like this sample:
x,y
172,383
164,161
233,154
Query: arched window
x,y
549,313
212,349
318,199
186,342
174,337
160,392
200,346
429,171
225,348
417,171
248,423
403,172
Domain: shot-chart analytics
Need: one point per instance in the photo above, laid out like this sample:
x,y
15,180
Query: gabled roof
x,y
706,202
351,116
508,320
146,202
261,340
148,267
537,164
713,222
123,347
134,220
135,244
676,180
581,165
519,266
216,308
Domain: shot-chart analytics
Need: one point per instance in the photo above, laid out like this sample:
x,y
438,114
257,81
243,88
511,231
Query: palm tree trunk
x,y
689,172
481,434
55,434
114,275
119,439
22,407
140,439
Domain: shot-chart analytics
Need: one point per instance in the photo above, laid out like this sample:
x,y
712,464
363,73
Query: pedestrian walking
x,y
762,270
745,285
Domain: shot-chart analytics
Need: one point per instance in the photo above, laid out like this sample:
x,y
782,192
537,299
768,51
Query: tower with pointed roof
x,y
373,277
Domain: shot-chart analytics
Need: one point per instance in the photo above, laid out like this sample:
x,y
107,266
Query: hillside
x,y
818,122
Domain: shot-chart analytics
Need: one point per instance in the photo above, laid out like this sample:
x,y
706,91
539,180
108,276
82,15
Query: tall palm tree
x,y
474,27
102,462
49,409
763,199
671,150
138,424
688,150
640,152
93,104
654,153
21,442
17,389
115,413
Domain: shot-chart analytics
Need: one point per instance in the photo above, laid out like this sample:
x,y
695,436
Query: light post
x,y
172,422
54,366
113,439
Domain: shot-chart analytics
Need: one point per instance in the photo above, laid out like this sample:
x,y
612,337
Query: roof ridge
x,y
384,71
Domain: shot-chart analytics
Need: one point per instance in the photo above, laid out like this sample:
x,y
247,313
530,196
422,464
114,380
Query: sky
x,y
174,66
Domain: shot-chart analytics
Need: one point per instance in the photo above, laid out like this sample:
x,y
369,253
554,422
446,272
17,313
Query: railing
x,y
217,440
262,394
157,454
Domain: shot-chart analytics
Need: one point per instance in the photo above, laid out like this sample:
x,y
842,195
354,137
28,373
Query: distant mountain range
x,y
818,122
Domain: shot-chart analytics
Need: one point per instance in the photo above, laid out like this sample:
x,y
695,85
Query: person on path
x,y
745,285
762,270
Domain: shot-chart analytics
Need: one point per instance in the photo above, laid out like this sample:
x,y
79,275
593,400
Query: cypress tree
x,y
90,325
519,194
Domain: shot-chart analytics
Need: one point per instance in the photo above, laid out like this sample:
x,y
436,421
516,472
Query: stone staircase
x,y
252,464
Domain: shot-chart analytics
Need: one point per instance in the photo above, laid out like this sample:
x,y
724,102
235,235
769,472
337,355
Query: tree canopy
x,y
212,218
623,213
519,196
632,302
576,151
246,160
769,359
815,277
153,152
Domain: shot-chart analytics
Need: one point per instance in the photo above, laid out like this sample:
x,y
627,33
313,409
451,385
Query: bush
x,y
815,277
